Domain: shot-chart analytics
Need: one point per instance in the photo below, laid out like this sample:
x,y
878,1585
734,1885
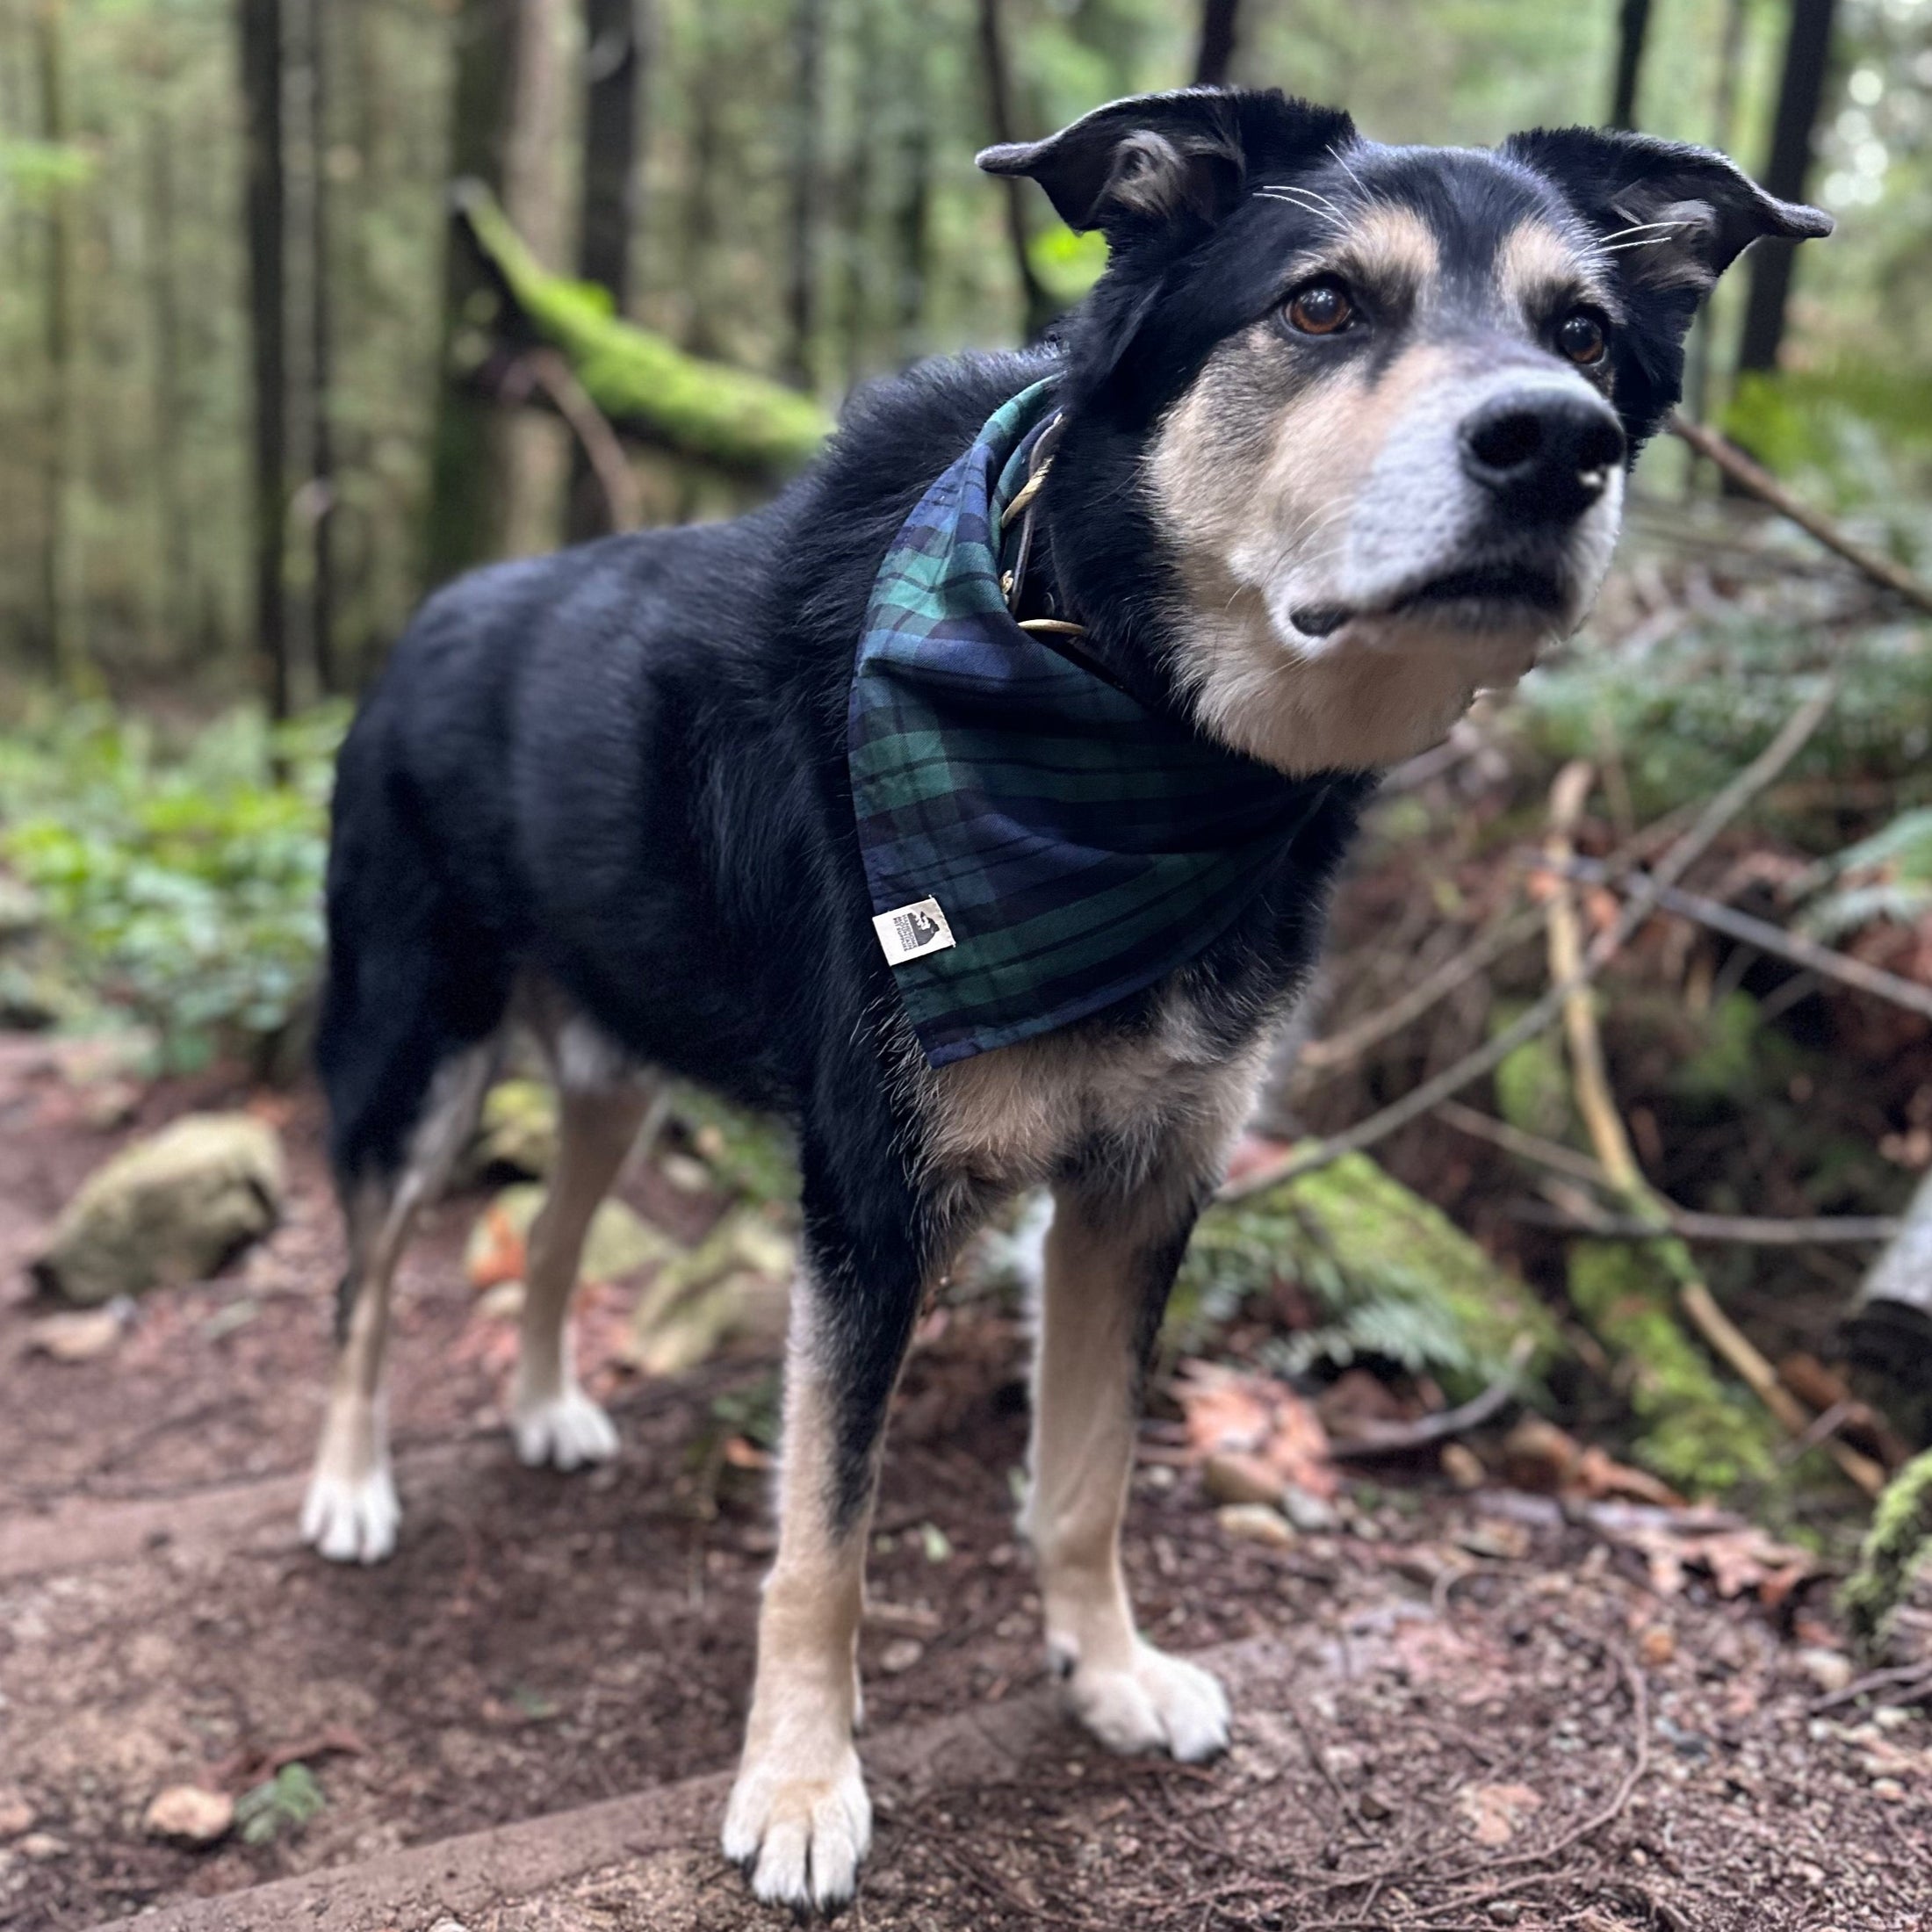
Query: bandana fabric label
x,y
1083,844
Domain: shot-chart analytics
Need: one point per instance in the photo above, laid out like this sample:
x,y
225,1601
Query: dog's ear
x,y
1672,215
1156,161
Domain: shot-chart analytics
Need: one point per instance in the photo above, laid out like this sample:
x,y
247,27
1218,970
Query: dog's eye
x,y
1580,337
1320,307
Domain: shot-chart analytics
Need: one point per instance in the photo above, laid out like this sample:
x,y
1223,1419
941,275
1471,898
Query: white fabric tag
x,y
911,931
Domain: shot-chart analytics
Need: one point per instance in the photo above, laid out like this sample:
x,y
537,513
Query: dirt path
x,y
1427,1736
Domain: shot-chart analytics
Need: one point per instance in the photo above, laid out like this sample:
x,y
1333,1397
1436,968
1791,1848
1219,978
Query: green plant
x,y
286,1802
1888,876
184,883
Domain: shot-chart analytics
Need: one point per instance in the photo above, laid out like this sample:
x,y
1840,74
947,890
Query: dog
x,y
1338,439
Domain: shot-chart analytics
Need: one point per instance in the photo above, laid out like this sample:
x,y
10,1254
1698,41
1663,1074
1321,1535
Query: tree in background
x,y
1215,54
318,495
1800,91
1632,31
1038,306
469,461
808,28
261,32
61,590
615,62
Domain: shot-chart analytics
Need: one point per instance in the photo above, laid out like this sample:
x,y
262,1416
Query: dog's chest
x,y
1015,1117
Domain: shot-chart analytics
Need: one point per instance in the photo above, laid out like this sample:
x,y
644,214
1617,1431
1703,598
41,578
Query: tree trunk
x,y
800,282
870,117
175,525
1038,304
1807,57
1633,30
1696,384
261,32
469,484
1215,54
912,216
615,50
321,355
60,561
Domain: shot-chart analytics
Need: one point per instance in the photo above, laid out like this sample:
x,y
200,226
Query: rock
x,y
1538,1456
189,1816
1308,1513
900,1655
16,1814
42,1846
1829,1670
1237,1479
1658,1645
1463,1467
734,1282
80,1337
172,1207
1256,1523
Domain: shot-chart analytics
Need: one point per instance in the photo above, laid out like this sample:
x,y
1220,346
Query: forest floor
x,y
1452,1710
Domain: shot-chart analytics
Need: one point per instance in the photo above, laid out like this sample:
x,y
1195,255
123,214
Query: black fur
x,y
623,768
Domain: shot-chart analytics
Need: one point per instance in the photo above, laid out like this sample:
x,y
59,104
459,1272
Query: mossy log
x,y
1899,1542
646,386
1397,1276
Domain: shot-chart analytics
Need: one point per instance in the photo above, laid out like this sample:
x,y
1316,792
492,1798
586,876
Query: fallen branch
x,y
1397,1439
546,370
1736,1230
1724,806
1759,482
1604,1124
1513,1139
1825,961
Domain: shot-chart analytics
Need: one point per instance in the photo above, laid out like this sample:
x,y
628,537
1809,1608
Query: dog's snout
x,y
1545,455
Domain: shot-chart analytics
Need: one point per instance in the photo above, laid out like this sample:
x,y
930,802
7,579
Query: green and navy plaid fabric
x,y
1079,844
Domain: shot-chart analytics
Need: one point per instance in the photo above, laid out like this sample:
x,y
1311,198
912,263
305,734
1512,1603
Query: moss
x,y
1533,1090
1697,1435
1899,1541
1399,1279
640,379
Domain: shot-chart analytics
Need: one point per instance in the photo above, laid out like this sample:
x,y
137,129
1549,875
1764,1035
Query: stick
x,y
1606,1127
1398,1438
1759,482
1739,1231
1724,807
1794,947
591,427
1513,1139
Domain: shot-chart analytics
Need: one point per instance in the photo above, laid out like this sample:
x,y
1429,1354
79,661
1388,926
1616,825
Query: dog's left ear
x,y
1157,161
1674,216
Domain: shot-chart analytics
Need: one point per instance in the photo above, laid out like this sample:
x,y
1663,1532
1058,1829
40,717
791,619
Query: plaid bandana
x,y
1039,844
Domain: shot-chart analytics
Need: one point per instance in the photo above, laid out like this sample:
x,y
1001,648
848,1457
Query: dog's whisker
x,y
1341,162
1638,227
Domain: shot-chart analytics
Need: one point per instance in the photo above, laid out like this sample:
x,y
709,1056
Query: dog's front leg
x,y
799,1818
1110,1263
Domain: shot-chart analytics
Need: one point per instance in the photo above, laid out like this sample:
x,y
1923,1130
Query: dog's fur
x,y
607,792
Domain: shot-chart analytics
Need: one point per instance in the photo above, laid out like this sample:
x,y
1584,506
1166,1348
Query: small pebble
x,y
1658,1645
190,1815
1463,1467
44,1845
1892,1716
16,1814
1889,1788
1255,1522
1308,1512
1829,1670
900,1655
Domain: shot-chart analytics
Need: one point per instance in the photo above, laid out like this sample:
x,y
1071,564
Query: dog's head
x,y
1348,425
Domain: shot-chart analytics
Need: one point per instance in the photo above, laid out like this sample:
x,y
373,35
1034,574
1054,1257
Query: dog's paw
x,y
566,1431
351,1519
798,1828
1157,1703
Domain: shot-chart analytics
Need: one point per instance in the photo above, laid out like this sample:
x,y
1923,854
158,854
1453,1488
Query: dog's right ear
x,y
1156,161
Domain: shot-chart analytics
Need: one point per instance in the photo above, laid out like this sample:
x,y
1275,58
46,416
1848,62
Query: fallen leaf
x,y
1235,1413
1736,1561
496,1250
1658,1645
1494,1811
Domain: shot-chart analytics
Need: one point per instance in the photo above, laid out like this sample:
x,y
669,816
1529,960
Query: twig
x,y
618,481
1605,1126
1513,1139
1825,961
1397,1439
1724,807
1762,483
1916,1677
1737,1230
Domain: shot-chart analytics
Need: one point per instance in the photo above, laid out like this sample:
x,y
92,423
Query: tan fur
x,y
1390,248
1539,270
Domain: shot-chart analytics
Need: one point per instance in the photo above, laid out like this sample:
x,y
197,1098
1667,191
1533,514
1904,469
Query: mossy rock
x,y
516,1131
168,1209
1897,1546
1699,1434
620,1241
1381,1259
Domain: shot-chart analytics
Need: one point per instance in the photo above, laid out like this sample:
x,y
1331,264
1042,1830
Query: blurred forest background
x,y
306,305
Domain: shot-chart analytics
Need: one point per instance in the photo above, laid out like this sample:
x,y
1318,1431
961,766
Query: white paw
x,y
351,1519
1157,1703
566,1431
800,1828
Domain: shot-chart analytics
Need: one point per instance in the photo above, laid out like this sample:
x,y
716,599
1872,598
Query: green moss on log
x,y
1394,1274
1899,1542
1698,1434
638,380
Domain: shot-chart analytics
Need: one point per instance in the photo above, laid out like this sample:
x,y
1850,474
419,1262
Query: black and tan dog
x,y
1342,436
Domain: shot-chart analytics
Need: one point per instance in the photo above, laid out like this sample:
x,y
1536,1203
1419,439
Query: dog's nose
x,y
1547,455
